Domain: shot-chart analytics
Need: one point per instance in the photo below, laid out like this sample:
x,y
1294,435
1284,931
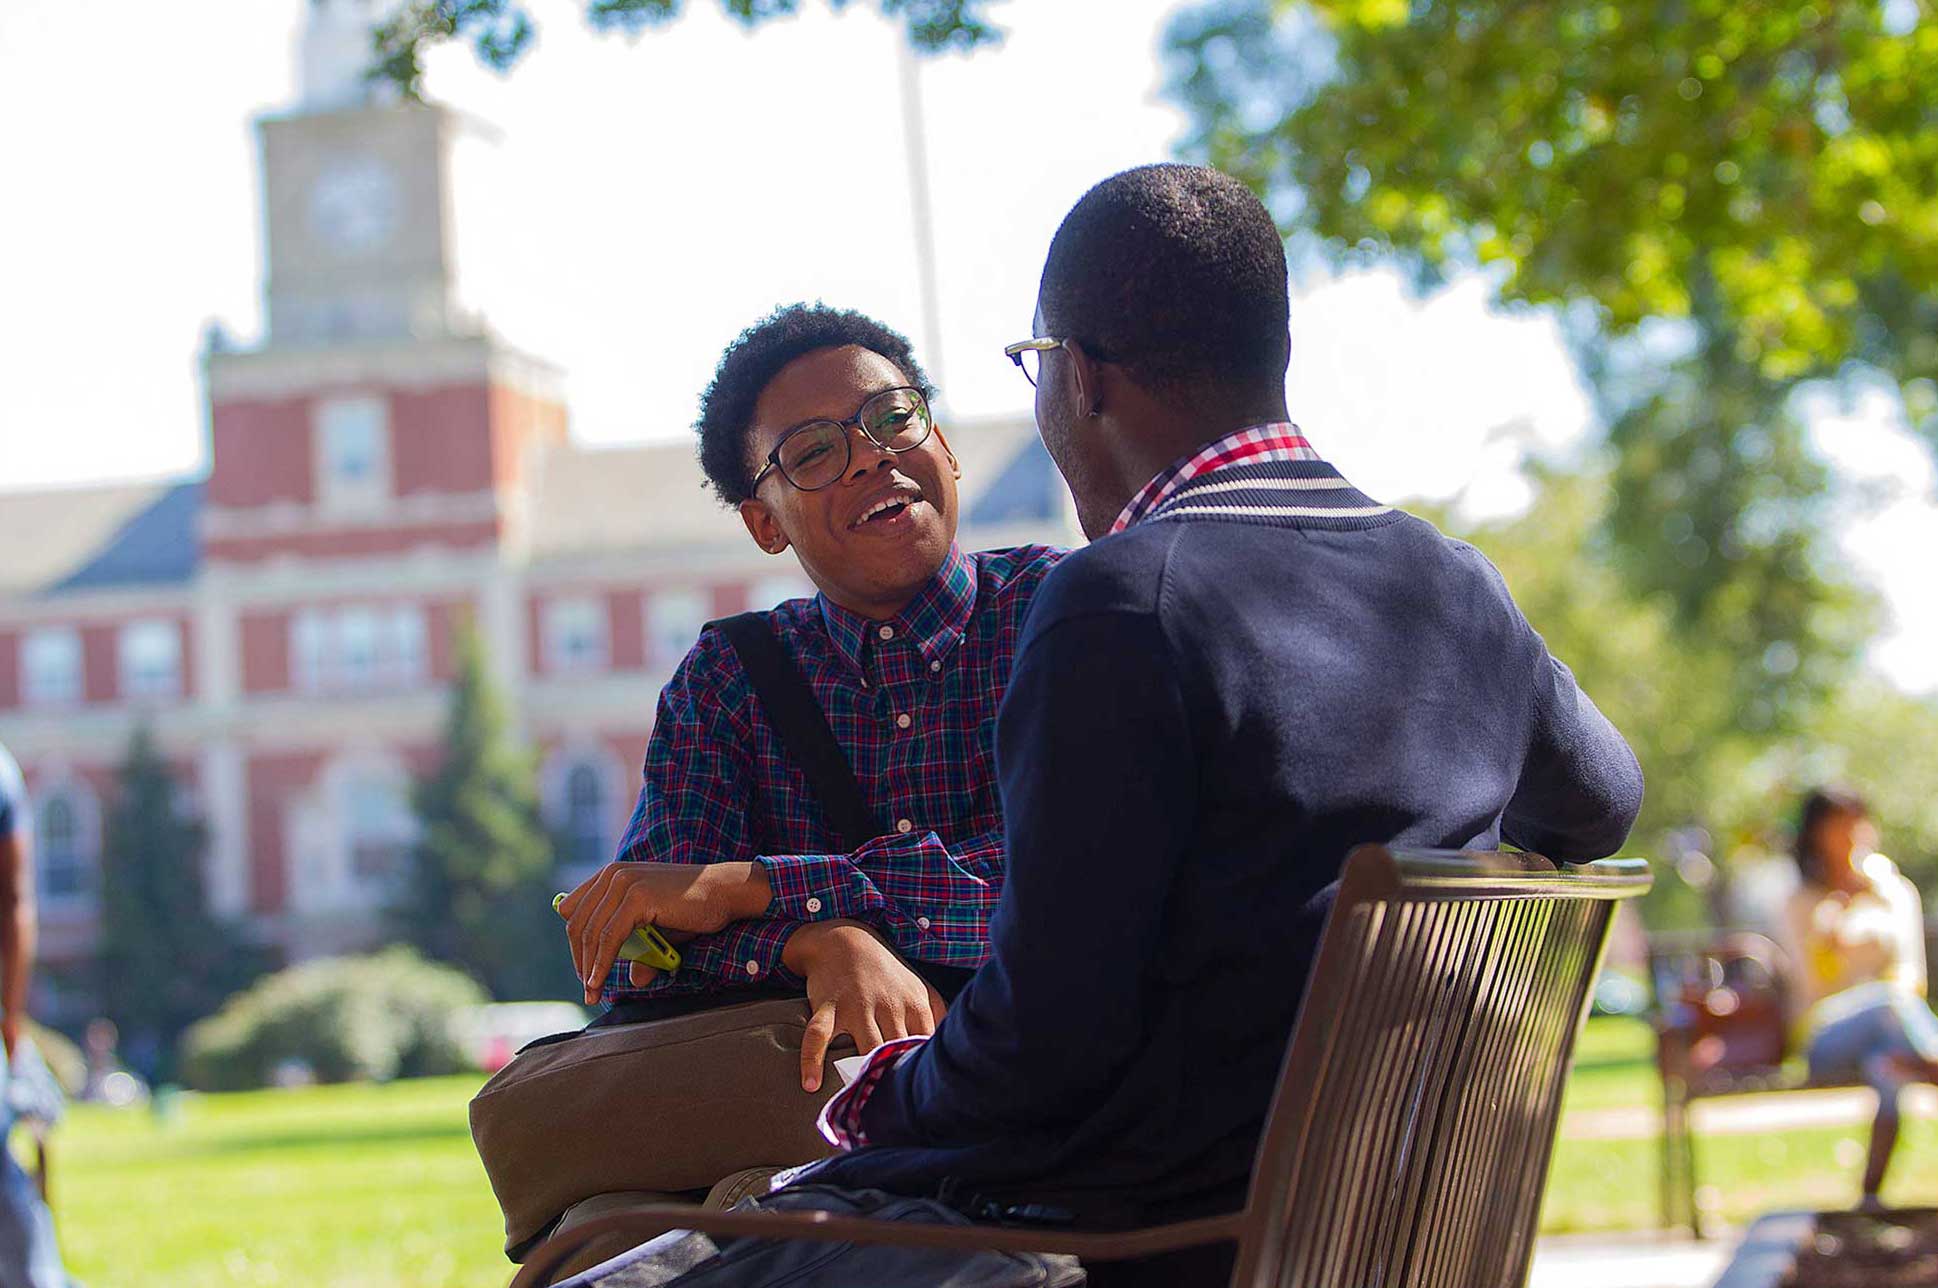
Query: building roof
x,y
127,534
586,500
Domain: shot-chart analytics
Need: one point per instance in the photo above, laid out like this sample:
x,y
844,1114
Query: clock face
x,y
354,205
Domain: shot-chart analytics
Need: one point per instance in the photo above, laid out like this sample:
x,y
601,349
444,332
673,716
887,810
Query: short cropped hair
x,y
753,360
1177,273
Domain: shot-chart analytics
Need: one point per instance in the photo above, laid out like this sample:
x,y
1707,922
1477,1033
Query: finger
x,y
867,1035
937,1007
577,894
579,907
894,1024
641,974
678,936
620,919
814,1045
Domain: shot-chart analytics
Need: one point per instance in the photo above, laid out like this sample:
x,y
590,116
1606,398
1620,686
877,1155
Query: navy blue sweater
x,y
1206,714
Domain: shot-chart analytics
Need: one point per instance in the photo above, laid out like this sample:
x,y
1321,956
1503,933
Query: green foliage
x,y
1677,695
347,1019
479,895
1724,202
64,1059
500,31
1720,509
163,960
1766,168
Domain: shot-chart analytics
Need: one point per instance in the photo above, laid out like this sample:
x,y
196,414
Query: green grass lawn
x,y
378,1187
331,1187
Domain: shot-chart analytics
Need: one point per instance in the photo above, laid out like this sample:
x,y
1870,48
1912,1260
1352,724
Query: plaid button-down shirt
x,y
912,701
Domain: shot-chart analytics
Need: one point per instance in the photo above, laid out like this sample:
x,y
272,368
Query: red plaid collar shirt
x,y
912,701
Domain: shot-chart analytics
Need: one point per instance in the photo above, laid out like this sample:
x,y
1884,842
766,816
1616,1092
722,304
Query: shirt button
x,y
935,667
903,825
923,922
902,721
753,967
814,904
886,632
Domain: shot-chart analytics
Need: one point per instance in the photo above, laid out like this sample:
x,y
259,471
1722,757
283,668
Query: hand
x,y
857,986
699,898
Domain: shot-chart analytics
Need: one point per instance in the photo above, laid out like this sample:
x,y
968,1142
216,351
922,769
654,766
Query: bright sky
x,y
669,191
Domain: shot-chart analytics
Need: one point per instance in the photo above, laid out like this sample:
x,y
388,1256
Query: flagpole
x,y
915,134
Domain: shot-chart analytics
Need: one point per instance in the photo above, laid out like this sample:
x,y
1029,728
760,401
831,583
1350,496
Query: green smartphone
x,y
644,945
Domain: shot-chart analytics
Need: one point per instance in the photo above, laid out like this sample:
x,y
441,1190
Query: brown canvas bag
x,y
664,1105
676,1104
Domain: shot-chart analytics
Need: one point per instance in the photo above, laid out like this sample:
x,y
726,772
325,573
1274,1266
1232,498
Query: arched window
x,y
379,827
65,853
586,844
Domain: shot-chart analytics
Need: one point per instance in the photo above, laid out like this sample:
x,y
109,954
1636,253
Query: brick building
x,y
380,467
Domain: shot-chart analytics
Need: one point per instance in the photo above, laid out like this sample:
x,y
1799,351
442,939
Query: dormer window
x,y
353,452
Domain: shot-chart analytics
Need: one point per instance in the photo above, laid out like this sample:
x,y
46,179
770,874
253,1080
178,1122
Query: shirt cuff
x,y
747,952
810,887
840,1118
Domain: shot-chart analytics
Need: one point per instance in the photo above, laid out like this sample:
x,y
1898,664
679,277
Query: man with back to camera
x,y
817,428
1254,668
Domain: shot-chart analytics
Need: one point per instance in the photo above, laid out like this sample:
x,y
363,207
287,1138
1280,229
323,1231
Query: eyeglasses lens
x,y
898,419
815,455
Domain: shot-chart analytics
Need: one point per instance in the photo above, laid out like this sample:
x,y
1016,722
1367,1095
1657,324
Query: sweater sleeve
x,y
1098,778
1580,787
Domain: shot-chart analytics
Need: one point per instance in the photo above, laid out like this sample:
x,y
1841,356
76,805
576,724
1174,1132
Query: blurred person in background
x,y
28,1255
1854,930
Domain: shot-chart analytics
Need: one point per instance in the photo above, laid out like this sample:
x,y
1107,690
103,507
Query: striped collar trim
x,y
1303,493
1280,441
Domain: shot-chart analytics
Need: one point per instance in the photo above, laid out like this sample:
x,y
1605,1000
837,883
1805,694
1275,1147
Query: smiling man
x,y
818,428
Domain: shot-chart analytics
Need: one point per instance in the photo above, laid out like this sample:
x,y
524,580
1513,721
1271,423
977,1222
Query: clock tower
x,y
382,415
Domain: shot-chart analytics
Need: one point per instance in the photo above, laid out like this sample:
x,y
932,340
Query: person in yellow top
x,y
1855,935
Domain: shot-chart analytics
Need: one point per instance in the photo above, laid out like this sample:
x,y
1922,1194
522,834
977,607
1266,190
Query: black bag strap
x,y
803,728
802,725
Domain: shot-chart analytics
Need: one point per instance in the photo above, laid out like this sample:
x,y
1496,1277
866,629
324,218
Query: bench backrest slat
x,y
1409,1140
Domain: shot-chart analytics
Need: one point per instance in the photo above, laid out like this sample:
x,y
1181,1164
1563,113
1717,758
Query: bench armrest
x,y
649,1222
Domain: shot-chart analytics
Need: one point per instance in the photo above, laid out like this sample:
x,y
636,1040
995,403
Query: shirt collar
x,y
1279,441
934,621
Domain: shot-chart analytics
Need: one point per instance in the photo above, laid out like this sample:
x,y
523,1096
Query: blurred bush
x,y
64,1059
341,1019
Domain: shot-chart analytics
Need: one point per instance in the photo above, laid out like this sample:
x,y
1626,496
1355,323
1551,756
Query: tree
x,y
479,893
1677,695
1724,201
501,31
1765,171
164,960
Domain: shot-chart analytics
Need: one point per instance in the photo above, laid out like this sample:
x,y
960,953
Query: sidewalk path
x,y
1749,1115
1644,1260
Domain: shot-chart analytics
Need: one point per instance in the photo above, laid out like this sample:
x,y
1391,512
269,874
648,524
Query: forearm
x,y
929,900
17,927
17,961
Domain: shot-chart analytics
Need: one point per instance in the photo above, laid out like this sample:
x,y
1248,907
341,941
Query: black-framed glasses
x,y
1028,354
816,454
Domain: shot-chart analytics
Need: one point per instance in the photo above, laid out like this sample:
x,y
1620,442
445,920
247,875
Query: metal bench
x,y
1409,1138
1721,1030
